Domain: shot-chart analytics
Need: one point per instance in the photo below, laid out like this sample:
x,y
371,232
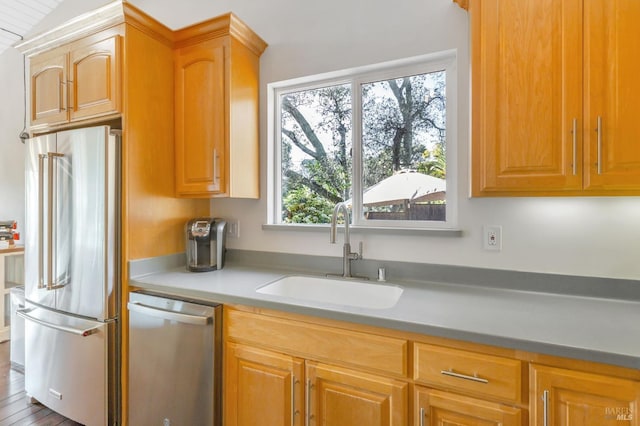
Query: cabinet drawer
x,y
318,342
484,375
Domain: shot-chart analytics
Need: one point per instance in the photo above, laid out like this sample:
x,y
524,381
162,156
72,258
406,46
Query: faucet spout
x,y
334,223
347,255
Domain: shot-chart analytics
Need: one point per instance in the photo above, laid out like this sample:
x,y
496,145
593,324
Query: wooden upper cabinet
x,y
216,97
612,95
543,72
77,81
572,398
527,88
49,88
94,83
200,118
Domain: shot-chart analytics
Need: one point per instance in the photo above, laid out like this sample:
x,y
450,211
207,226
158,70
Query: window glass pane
x,y
316,152
404,155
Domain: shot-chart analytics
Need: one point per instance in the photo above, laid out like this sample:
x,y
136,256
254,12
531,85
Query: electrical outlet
x,y
492,237
233,228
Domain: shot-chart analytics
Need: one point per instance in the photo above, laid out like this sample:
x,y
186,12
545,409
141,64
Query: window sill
x,y
428,232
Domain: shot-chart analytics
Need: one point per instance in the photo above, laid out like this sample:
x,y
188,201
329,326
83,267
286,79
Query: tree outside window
x,y
316,153
402,143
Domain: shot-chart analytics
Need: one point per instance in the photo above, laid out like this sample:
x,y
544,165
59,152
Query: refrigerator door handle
x,y
170,315
41,280
51,157
84,332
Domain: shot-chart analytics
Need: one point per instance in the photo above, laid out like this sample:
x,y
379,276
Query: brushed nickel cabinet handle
x,y
307,403
294,412
421,416
575,145
216,167
451,373
64,96
545,408
599,130
71,96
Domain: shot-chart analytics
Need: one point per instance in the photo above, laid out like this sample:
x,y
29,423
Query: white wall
x,y
11,147
576,236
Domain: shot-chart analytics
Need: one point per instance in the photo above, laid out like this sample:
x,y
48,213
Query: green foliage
x,y
301,205
434,162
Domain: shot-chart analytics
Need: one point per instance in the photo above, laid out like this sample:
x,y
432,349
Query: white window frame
x,y
441,61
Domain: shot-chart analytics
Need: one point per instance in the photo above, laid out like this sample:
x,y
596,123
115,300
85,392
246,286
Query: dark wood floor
x,y
14,407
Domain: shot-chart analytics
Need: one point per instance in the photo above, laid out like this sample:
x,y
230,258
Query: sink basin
x,y
337,291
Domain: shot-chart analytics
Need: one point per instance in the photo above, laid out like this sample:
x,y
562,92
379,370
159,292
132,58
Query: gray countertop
x,y
588,328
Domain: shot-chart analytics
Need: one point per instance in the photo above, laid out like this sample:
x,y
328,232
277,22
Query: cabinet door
x,y
94,83
262,388
443,408
341,397
612,95
527,88
572,398
49,88
200,119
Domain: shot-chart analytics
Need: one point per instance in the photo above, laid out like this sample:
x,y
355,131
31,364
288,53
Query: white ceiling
x,y
18,17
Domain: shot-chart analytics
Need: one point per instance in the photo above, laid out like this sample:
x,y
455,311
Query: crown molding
x,y
110,15
223,25
74,29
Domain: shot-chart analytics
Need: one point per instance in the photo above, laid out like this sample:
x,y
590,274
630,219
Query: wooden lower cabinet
x,y
262,387
269,388
289,369
435,407
561,397
343,397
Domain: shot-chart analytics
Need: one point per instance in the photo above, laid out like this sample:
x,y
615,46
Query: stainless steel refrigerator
x,y
72,273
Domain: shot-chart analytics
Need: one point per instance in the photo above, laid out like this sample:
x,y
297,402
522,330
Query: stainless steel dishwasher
x,y
174,361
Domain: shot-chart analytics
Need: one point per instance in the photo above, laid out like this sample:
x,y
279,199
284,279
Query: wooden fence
x,y
436,212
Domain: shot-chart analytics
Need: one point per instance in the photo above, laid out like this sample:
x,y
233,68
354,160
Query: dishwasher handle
x,y
169,315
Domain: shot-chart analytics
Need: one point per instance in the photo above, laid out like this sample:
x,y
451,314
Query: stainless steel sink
x,y
337,291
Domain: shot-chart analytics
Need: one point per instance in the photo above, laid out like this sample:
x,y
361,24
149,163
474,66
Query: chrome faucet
x,y
347,255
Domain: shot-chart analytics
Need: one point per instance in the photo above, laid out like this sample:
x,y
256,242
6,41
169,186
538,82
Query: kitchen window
x,y
378,138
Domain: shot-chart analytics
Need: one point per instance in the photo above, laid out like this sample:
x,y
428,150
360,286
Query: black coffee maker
x,y
206,239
